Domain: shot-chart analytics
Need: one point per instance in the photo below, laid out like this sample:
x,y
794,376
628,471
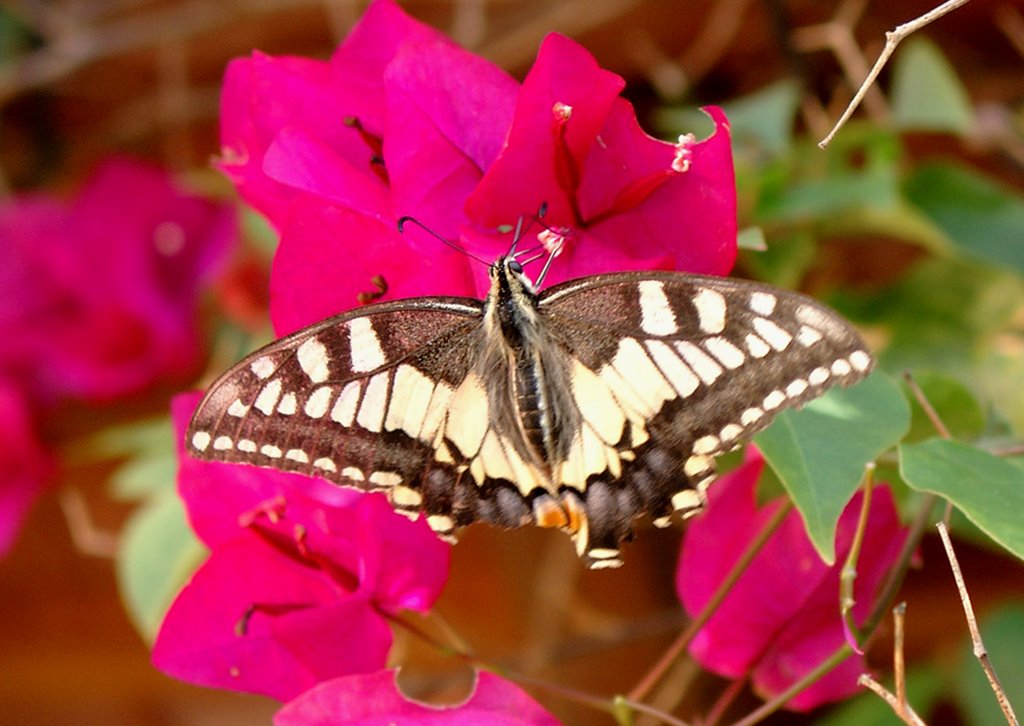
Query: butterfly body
x,y
581,407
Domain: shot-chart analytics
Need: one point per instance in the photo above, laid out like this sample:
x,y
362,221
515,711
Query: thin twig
x,y
972,624
848,574
899,666
657,672
926,406
892,39
88,538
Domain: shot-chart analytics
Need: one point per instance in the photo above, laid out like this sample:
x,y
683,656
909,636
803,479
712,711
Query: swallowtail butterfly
x,y
581,407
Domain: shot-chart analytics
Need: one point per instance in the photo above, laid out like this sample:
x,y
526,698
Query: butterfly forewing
x,y
626,388
344,399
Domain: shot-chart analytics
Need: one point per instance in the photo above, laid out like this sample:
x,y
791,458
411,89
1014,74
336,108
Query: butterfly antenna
x,y
401,230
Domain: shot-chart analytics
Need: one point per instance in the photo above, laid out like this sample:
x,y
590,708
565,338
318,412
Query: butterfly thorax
x,y
531,391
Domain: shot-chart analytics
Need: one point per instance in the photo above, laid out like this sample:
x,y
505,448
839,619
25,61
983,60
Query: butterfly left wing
x,y
347,400
670,370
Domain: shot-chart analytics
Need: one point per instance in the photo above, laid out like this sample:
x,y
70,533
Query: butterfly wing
x,y
670,370
351,399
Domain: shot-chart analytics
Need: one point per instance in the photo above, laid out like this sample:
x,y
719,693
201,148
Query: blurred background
x,y
81,80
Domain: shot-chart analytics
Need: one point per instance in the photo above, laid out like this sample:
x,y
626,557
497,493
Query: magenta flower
x,y
373,699
782,618
447,137
299,583
24,464
101,295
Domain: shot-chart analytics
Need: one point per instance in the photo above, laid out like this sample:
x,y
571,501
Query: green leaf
x,y
943,314
751,238
926,93
146,474
820,452
158,554
765,118
989,490
983,218
952,401
1003,634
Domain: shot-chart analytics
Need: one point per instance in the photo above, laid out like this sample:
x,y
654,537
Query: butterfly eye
x,y
515,267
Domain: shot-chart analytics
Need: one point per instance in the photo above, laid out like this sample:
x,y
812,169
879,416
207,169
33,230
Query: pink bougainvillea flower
x,y
25,466
402,122
373,699
782,617
105,301
622,199
299,582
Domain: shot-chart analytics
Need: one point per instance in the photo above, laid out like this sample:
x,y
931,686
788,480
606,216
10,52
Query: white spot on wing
x,y
860,360
751,415
686,499
679,375
705,444
818,376
757,347
223,443
656,316
773,400
468,415
807,336
344,411
730,432
762,303
596,403
271,451
247,445
237,409
351,472
312,355
710,306
267,399
841,367
325,464
297,455
367,355
385,478
406,497
796,387
200,440
371,408
263,367
728,354
410,397
288,404
318,401
776,336
703,364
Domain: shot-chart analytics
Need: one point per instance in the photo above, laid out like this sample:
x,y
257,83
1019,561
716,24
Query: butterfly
x,y
584,406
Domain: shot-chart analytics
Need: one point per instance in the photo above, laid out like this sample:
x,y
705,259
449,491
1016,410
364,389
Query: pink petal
x,y
306,163
690,215
254,619
360,61
403,563
447,114
782,618
263,95
374,700
25,467
540,163
328,255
